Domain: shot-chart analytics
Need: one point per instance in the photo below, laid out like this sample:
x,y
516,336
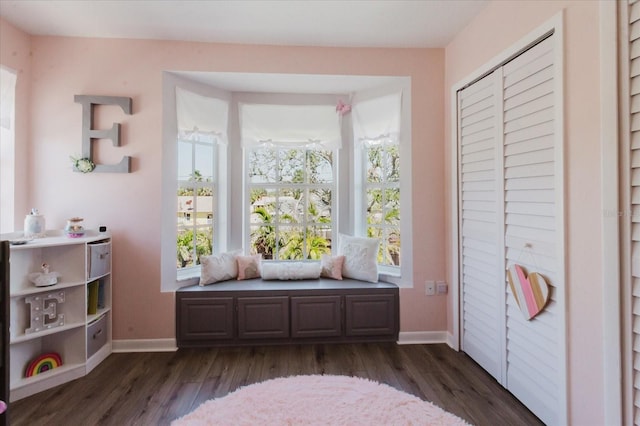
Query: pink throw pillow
x,y
332,266
249,266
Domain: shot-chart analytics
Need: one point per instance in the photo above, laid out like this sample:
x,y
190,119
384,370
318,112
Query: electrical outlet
x,y
430,287
442,287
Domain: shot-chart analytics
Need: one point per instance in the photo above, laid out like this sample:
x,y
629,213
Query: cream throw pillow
x,y
290,270
218,267
360,257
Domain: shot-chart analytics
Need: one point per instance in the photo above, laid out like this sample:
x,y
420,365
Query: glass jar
x,y
75,227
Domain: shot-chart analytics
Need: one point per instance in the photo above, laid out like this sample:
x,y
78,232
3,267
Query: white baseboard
x,y
452,342
145,345
422,337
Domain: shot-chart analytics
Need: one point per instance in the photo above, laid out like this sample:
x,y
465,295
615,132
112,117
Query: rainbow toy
x,y
44,362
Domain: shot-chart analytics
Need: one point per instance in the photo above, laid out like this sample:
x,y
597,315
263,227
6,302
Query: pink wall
x,y
129,204
500,25
15,53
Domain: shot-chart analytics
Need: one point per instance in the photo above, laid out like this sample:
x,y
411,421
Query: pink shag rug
x,y
318,400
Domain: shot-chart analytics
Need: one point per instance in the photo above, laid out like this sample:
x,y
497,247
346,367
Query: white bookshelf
x,y
84,340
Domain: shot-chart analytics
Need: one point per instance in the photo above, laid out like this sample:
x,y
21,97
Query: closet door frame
x,y
555,26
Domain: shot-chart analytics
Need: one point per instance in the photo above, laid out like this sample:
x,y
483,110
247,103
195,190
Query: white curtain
x,y
377,119
7,149
202,113
290,125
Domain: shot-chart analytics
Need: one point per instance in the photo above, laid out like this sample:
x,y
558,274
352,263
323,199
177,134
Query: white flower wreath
x,y
83,165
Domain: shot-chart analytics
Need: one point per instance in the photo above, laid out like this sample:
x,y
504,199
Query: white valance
x,y
202,113
377,119
290,126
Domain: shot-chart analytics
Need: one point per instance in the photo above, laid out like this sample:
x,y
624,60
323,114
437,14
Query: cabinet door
x,y
205,318
315,316
371,315
263,317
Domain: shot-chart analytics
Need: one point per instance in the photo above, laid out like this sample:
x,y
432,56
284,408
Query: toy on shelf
x,y
44,278
42,363
44,311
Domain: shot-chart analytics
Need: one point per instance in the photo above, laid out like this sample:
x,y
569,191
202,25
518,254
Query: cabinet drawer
x,y
263,317
99,259
371,315
205,318
315,316
96,335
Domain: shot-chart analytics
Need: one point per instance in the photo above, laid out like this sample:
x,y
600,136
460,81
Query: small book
x,y
92,298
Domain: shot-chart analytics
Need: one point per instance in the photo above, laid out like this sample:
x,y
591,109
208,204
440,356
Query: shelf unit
x,y
81,339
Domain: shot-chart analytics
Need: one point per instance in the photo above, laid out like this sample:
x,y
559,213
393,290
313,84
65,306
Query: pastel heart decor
x,y
531,293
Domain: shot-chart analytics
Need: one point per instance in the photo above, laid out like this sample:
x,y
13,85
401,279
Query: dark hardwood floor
x,y
156,388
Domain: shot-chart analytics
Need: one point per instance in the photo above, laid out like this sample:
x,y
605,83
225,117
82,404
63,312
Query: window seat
x,y
257,312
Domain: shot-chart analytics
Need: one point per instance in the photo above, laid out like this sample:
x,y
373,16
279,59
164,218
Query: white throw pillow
x,y
218,267
290,270
360,257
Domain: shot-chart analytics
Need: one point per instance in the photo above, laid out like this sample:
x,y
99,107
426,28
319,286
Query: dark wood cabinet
x,y
206,318
279,312
316,316
263,317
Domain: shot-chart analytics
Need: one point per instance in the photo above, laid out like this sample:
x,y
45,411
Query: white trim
x,y
452,342
145,345
560,191
610,203
626,296
423,337
455,236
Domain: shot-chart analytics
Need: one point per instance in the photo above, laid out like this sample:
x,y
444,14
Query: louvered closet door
x,y
480,231
511,212
533,230
633,14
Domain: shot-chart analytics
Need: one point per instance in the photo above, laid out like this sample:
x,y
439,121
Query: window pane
x,y
393,245
189,249
263,241
186,202
185,156
291,166
392,163
319,206
318,241
319,166
374,206
374,164
204,162
293,243
262,166
392,206
290,205
263,205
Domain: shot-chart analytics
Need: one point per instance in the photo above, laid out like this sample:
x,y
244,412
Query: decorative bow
x,y
342,108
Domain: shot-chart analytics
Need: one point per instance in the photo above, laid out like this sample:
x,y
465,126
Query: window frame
x,y
171,277
231,223
190,271
277,184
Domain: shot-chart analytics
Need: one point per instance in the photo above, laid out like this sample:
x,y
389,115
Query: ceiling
x,y
340,23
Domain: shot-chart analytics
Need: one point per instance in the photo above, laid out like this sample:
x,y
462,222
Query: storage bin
x,y
99,259
96,335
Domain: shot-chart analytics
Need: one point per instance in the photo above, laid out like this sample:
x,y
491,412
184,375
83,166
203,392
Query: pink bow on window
x,y
342,108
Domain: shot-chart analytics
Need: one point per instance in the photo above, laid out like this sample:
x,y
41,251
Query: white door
x,y
481,230
511,212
